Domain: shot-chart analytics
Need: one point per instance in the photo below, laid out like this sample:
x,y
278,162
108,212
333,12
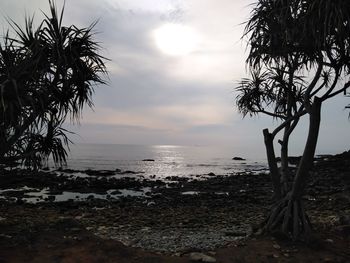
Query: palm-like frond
x,y
308,29
254,93
47,74
270,91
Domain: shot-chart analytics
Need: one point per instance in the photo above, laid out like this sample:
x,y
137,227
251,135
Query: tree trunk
x,y
307,159
288,214
284,161
271,159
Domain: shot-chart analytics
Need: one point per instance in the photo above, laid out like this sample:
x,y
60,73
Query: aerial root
x,y
289,217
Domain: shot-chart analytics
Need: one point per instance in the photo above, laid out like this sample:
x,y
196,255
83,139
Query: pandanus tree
x,y
47,74
299,56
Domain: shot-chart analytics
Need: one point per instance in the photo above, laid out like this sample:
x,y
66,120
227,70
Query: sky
x,y
173,69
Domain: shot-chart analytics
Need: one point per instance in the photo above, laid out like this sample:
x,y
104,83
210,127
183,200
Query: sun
x,y
176,39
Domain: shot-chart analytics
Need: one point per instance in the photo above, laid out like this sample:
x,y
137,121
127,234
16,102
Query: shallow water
x,y
168,160
34,196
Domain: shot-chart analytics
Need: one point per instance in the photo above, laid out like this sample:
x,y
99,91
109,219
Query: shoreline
x,y
175,218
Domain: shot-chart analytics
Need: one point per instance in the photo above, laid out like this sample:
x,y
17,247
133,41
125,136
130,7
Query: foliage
x,y
47,74
299,56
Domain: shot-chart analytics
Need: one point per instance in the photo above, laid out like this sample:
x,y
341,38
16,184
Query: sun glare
x,y
176,39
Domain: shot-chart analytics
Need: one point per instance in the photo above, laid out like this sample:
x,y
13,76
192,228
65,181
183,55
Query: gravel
x,y
175,240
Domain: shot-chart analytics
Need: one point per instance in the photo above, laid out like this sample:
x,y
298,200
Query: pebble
x,y
205,233
146,229
200,257
172,239
276,246
5,236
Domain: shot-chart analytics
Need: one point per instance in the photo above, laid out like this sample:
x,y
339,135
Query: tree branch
x,y
292,127
312,85
329,91
272,114
319,88
345,87
300,113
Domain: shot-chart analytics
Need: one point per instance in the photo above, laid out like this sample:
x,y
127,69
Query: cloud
x,y
153,98
174,117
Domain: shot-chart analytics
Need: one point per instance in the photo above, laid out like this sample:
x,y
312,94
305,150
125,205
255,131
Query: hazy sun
x,y
176,39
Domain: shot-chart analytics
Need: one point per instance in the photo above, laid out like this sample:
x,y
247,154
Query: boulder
x,y
100,172
236,158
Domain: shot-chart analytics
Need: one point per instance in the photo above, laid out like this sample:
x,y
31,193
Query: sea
x,y
164,160
153,162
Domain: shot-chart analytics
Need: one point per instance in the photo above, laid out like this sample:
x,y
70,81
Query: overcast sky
x,y
174,65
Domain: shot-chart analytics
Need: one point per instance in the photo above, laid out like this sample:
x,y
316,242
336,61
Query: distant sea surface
x,y
169,160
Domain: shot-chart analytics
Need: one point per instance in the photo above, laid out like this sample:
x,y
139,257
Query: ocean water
x,y
182,161
169,160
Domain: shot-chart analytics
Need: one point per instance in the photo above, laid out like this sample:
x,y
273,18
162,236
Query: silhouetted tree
x,y
276,92
46,75
308,41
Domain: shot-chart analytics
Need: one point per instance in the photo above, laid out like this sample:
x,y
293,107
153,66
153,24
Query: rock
x,y
115,192
236,158
291,159
211,174
99,172
344,220
50,198
5,236
343,230
148,160
294,159
200,257
128,172
276,246
235,233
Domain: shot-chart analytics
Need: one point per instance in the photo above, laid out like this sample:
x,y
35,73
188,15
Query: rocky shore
x,y
177,216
